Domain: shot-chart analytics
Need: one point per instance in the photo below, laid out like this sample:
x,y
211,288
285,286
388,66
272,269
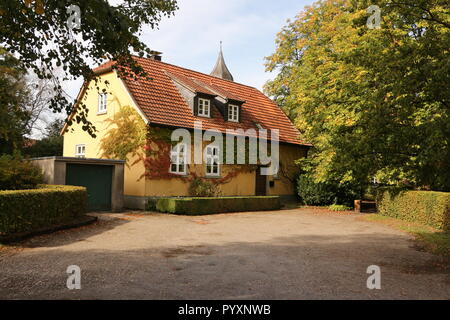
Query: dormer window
x,y
204,107
233,113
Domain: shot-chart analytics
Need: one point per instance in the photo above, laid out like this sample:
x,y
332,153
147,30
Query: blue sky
x,y
247,28
191,37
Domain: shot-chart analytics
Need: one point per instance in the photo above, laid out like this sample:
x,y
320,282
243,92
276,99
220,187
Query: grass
x,y
430,239
337,207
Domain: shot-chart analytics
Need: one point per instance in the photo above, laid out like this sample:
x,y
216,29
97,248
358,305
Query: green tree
x,y
372,101
37,32
13,97
52,143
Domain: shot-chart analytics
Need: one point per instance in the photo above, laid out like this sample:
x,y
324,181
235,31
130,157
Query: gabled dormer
x,y
203,97
203,104
230,105
234,111
199,98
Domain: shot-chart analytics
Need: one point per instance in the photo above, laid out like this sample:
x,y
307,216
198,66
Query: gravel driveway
x,y
289,254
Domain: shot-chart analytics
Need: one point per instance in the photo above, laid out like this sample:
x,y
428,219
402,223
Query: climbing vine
x,y
126,135
129,138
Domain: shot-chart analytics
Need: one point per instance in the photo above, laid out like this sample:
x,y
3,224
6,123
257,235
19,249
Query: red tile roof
x,y
162,103
190,83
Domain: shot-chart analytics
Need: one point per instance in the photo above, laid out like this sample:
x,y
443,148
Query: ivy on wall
x,y
126,135
129,138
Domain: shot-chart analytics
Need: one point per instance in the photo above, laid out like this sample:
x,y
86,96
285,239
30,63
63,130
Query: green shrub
x,y
425,207
338,207
16,174
312,193
151,205
28,210
200,206
326,193
203,188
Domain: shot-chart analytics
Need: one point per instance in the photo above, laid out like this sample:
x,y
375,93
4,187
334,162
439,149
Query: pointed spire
x,y
221,69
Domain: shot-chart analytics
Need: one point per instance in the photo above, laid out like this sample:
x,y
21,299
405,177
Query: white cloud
x,y
247,28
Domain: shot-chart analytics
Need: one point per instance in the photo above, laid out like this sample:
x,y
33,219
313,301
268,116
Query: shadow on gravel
x,y
65,237
293,267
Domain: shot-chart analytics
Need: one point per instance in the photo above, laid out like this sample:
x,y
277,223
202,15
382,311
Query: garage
x,y
98,181
103,179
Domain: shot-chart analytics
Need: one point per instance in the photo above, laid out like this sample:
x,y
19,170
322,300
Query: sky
x,y
248,28
191,38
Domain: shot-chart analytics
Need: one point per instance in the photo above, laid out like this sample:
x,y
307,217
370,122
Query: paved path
x,y
291,254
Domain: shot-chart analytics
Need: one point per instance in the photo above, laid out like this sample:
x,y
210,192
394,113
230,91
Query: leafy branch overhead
x,y
38,35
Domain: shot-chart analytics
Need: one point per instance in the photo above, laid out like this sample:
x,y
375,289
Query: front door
x,y
261,183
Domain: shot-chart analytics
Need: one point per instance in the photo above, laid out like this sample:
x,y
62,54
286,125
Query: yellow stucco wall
x,y
283,184
135,185
117,97
242,185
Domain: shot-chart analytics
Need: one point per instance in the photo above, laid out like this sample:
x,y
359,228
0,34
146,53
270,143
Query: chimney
x,y
155,55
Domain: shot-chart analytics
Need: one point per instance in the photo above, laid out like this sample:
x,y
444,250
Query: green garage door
x,y
97,180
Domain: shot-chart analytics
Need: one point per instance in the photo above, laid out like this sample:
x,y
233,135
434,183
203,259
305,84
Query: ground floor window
x,y
80,151
178,159
212,161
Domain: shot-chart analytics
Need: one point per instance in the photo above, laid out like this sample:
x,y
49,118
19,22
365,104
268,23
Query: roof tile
x,y
163,104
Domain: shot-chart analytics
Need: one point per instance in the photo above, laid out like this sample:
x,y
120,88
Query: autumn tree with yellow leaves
x,y
375,102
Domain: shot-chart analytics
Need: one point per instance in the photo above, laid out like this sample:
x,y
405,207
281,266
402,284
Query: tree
x,y
45,35
52,143
374,102
13,97
40,96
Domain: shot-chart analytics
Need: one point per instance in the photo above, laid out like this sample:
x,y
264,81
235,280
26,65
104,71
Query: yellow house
x,y
178,98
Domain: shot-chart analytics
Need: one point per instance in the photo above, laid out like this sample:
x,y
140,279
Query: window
x,y
233,113
212,161
178,159
102,103
80,151
204,106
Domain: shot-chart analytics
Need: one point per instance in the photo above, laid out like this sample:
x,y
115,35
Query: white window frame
x,y
178,157
102,103
204,107
80,151
212,157
233,113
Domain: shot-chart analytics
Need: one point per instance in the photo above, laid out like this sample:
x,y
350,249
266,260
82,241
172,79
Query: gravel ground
x,y
289,254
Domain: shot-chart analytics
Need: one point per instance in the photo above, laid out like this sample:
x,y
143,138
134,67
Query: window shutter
x,y
195,106
226,115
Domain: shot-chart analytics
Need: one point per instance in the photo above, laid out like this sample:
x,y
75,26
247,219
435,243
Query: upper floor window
x,y
80,151
178,159
233,113
204,107
212,161
102,103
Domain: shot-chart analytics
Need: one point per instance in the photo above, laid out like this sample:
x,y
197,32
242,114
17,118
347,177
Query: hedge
x,y
425,207
202,206
28,210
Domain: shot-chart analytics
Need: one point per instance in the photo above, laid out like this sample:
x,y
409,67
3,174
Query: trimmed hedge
x,y
202,206
17,174
28,210
425,207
